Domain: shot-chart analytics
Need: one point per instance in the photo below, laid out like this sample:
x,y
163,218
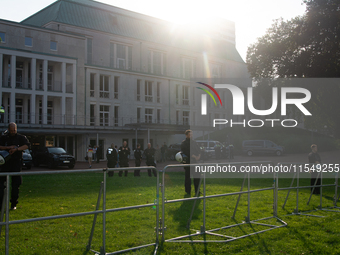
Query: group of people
x,y
120,158
93,153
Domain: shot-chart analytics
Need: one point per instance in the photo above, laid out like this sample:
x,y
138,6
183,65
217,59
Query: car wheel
x,y
249,153
71,166
278,153
50,164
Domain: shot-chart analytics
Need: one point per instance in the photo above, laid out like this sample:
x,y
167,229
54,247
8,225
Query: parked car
x,y
27,159
209,147
251,147
53,157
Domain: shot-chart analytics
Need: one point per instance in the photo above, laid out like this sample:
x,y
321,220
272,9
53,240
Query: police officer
x,y
14,143
138,159
2,114
124,153
111,155
150,159
190,148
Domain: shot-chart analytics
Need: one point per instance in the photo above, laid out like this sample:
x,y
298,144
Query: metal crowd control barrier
x,y
203,230
95,213
298,187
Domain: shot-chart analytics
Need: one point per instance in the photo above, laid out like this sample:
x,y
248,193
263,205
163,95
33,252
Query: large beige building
x,y
80,72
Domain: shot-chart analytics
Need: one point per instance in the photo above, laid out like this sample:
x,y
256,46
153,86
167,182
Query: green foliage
x,y
305,47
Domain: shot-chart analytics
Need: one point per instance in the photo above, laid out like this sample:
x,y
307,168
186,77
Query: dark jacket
x,y
189,147
150,155
138,154
124,153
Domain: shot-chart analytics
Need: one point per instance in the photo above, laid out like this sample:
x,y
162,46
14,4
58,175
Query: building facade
x,y
83,72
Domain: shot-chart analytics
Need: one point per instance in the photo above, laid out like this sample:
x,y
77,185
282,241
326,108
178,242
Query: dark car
x,y
27,159
172,150
53,157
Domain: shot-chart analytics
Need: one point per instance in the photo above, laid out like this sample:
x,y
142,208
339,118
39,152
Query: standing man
x,y
190,148
138,160
112,158
98,153
124,153
150,159
14,143
314,158
94,153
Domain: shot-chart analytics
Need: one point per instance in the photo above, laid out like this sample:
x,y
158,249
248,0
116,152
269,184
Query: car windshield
x,y
56,150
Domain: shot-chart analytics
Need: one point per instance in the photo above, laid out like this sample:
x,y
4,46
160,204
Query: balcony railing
x,y
21,83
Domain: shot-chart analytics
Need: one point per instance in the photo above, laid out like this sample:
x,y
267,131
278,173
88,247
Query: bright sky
x,y
252,18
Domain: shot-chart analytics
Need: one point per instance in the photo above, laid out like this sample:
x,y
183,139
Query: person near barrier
x,y
89,154
138,159
112,158
150,159
314,158
15,144
98,153
124,153
190,148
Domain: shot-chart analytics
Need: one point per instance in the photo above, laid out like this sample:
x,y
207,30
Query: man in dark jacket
x,y
14,143
314,158
150,159
138,159
190,148
124,153
112,158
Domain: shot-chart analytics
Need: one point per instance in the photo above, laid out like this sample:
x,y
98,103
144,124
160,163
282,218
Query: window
x,y
2,37
123,55
185,95
157,62
92,76
18,110
28,41
138,115
116,85
177,94
92,114
158,116
148,91
89,51
116,115
185,117
49,112
50,84
104,87
187,68
158,92
148,115
104,112
138,89
53,45
215,70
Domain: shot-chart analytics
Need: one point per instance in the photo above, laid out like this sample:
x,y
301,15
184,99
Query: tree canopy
x,y
306,46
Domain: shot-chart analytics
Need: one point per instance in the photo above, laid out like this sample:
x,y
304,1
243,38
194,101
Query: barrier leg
x,y
3,207
335,198
311,194
239,196
194,205
88,247
248,217
320,207
7,214
103,248
291,185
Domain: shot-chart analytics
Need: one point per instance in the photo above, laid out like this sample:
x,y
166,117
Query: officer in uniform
x,y
190,148
2,114
111,155
150,159
124,153
138,159
14,143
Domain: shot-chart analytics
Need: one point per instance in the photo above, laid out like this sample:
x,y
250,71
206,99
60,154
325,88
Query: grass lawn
x,y
72,193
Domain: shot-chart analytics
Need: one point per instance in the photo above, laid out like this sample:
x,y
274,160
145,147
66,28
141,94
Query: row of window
x,y
121,58
29,41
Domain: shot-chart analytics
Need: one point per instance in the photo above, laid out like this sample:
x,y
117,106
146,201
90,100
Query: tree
x,y
307,46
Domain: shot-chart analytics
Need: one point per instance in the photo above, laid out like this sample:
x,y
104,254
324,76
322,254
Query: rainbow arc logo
x,y
204,97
